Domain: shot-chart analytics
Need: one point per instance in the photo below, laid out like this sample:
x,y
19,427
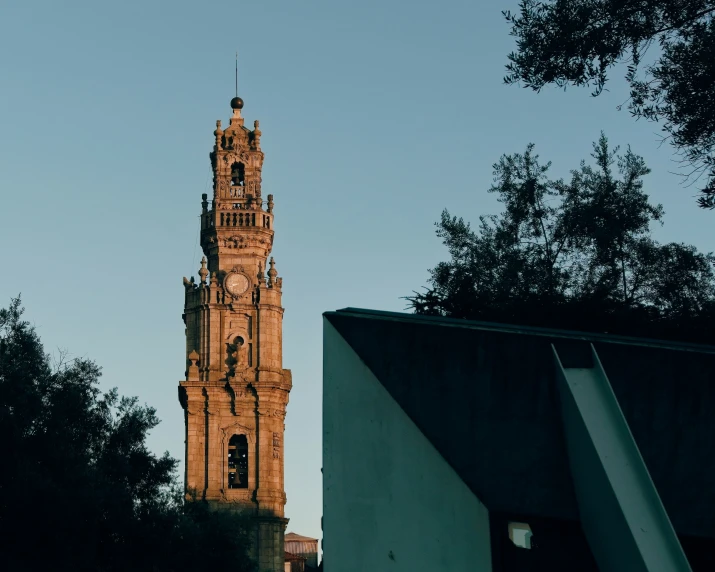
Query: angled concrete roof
x,y
485,395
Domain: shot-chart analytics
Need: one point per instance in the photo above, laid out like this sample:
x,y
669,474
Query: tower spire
x,y
237,102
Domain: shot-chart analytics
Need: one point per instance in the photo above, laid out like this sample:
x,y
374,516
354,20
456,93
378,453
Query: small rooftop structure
x,y
304,547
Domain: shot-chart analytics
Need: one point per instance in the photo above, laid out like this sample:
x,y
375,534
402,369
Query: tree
x,y
575,42
574,254
79,490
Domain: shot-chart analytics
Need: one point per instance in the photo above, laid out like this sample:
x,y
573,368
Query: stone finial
x,y
260,271
256,134
193,372
204,203
272,273
214,280
236,118
270,203
218,133
203,271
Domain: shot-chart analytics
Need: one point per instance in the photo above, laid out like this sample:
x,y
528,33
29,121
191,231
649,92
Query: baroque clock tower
x,y
236,390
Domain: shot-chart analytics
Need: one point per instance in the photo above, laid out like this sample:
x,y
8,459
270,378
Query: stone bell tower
x,y
236,390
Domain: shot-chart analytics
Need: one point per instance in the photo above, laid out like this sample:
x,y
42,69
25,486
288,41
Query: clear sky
x,y
375,116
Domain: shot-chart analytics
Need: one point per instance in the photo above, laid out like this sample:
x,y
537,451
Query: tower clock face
x,y
236,284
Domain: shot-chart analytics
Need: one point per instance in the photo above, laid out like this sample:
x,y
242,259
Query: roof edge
x,y
516,329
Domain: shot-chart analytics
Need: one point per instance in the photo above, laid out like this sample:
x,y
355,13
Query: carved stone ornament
x,y
237,429
192,373
233,242
236,496
232,158
276,445
222,187
195,406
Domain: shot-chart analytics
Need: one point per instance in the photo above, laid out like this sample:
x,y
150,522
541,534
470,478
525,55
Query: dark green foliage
x,y
575,42
574,254
79,490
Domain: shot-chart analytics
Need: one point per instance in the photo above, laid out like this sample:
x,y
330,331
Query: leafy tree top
x,y
575,42
79,485
574,254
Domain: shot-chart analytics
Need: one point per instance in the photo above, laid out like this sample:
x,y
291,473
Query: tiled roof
x,y
293,537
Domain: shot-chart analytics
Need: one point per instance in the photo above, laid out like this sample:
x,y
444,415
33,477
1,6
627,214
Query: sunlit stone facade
x,y
236,390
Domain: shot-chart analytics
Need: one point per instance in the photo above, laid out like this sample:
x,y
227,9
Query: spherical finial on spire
x,y
236,103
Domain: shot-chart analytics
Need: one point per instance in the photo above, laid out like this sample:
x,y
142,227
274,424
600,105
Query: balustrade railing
x,y
236,217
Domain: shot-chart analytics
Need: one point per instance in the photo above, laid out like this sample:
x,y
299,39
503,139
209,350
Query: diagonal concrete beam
x,y
621,513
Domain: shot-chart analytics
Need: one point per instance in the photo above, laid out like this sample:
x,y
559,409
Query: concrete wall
x,y
492,389
390,500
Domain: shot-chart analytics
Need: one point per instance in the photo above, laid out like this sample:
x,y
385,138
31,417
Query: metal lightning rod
x,y
236,74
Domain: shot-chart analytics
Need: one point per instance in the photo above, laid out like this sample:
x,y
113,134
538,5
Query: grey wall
x,y
390,500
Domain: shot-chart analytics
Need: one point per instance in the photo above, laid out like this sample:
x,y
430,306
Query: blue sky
x,y
376,115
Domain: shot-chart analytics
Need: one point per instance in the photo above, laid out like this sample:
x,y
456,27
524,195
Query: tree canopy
x,y
575,42
574,254
79,489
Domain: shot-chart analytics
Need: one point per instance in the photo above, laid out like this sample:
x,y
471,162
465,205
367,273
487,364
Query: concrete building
x,y
236,391
470,446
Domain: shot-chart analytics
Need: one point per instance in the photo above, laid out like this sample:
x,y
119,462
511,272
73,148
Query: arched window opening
x,y
238,462
237,175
